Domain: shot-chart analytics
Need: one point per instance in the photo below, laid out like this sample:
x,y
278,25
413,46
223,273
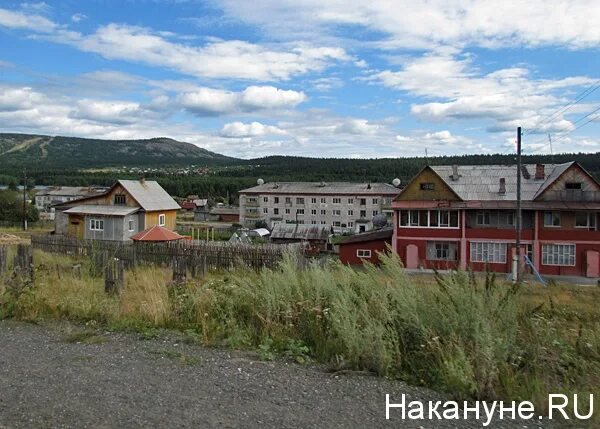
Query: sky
x,y
324,78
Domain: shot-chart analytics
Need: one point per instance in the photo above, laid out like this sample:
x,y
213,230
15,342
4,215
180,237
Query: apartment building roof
x,y
322,188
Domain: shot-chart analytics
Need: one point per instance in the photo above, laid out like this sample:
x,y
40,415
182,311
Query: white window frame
x,y
162,219
431,214
363,253
438,245
350,200
337,201
337,212
481,216
554,254
96,224
350,212
313,200
488,252
131,225
590,218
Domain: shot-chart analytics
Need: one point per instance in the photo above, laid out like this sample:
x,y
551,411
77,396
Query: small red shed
x,y
358,248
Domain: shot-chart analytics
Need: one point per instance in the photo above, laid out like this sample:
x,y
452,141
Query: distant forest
x,y
228,180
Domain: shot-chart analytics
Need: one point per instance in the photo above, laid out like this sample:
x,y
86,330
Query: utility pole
x,y
24,200
516,274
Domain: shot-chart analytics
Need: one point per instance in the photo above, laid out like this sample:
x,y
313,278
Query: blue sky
x,y
307,77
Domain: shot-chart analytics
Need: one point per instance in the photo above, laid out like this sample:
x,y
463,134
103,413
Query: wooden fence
x,y
199,256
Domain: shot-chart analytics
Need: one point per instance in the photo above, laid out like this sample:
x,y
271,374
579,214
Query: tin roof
x,y
292,231
102,210
149,195
481,182
333,188
156,233
225,211
384,234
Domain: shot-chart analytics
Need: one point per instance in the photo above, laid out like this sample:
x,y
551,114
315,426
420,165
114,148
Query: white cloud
x,y
209,101
254,129
78,17
506,97
431,23
25,21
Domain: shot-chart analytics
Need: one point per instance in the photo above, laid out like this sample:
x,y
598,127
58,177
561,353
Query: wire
x,y
566,107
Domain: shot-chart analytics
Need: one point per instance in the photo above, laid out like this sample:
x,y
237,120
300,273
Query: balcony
x,y
252,203
252,215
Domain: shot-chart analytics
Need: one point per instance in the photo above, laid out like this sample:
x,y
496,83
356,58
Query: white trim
x,y
164,219
562,255
367,253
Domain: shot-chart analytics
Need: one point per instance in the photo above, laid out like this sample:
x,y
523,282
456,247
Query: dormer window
x,y
120,199
427,186
573,185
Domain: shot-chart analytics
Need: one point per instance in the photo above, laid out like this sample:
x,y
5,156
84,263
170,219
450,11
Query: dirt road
x,y
48,379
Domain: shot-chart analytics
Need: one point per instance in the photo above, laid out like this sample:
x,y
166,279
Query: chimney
x,y
502,189
142,179
525,172
455,175
540,173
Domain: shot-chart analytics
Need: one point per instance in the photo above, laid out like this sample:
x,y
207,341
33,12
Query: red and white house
x,y
464,216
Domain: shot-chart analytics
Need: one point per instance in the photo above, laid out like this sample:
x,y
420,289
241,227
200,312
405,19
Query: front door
x,y
592,263
412,256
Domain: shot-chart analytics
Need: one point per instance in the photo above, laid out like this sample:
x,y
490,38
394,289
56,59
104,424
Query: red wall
x,y
230,217
422,250
348,251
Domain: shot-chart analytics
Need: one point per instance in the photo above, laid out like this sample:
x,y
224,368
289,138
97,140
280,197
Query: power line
x,y
592,88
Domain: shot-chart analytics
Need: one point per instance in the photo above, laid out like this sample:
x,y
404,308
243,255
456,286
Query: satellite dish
x,y
260,181
379,221
396,182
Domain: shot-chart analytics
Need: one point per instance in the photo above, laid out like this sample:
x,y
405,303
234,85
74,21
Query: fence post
x,y
24,260
3,259
114,276
179,270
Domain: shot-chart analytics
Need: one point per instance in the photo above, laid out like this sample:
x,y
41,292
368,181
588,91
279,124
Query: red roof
x,y
156,233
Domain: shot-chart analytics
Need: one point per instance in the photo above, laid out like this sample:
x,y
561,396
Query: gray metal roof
x,y
292,231
482,182
384,234
70,191
225,211
92,209
150,195
333,188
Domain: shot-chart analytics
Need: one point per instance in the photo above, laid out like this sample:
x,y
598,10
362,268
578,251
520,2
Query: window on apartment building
x,y
313,212
375,200
375,212
429,218
350,212
350,200
288,200
275,211
363,253
276,200
299,200
363,214
162,219
350,224
337,201
363,201
313,201
573,185
120,199
552,219
337,223
314,222
441,251
265,210
131,225
300,211
427,186
488,252
323,200
558,254
323,212
337,212
323,222
265,199
585,220
483,217
300,222
96,225
287,211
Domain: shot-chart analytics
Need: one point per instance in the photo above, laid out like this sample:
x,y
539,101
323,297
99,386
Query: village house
x,y
126,208
465,216
347,207
360,248
46,198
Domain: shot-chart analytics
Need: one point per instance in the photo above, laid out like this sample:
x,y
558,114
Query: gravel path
x,y
124,381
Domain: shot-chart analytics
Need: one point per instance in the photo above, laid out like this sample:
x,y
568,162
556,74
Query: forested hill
x,y
26,150
386,169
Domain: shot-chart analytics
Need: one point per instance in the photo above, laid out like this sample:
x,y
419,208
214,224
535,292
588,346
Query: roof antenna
x,y
551,151
426,158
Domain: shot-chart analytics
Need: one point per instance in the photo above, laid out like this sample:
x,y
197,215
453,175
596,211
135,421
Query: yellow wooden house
x,y
126,208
